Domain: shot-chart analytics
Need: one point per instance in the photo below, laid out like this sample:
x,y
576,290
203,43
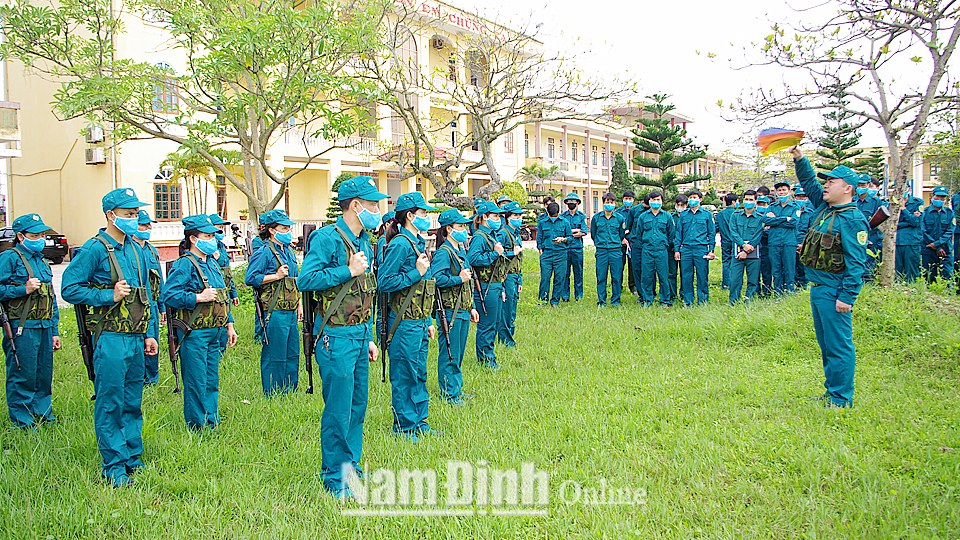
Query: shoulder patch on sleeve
x,y
862,238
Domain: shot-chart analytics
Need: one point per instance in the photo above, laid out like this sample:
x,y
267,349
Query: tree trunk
x,y
495,183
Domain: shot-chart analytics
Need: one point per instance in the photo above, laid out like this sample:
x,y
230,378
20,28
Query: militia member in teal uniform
x,y
273,269
782,217
632,232
835,254
803,224
107,272
198,293
553,233
955,204
455,287
868,204
578,227
607,232
766,273
404,274
937,227
379,250
909,237
676,288
503,200
726,245
695,242
513,281
477,203
158,314
654,229
223,257
336,264
746,231
485,256
627,264
26,289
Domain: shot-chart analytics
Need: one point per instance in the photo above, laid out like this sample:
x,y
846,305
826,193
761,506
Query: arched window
x,y
406,53
165,100
478,68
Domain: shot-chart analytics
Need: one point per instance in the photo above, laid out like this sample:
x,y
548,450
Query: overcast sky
x,y
657,43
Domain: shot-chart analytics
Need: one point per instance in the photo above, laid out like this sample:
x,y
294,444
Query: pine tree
x,y
671,146
837,146
334,211
872,164
620,177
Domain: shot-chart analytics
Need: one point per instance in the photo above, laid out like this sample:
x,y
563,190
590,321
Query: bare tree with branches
x,y
860,52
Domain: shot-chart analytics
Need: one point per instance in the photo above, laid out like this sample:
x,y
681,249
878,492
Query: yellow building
x,y
66,167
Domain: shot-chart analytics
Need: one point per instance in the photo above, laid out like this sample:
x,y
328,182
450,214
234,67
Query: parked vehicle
x,y
56,244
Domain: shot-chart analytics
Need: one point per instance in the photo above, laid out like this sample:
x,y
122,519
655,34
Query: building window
x,y
165,99
550,148
594,155
526,145
508,143
604,157
166,201
573,151
222,197
595,205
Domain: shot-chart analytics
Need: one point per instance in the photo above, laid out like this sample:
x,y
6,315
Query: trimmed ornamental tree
x,y
620,181
334,211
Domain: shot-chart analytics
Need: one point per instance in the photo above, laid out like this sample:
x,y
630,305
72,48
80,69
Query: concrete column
x,y
626,155
586,163
536,140
609,164
563,146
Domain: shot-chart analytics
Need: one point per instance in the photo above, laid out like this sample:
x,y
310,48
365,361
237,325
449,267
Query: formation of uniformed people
x,y
474,275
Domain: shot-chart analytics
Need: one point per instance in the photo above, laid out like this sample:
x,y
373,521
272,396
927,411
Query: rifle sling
x,y
407,299
116,274
30,297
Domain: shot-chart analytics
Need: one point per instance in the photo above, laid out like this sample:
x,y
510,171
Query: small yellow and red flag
x,y
771,140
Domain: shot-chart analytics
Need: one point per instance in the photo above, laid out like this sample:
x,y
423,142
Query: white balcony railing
x,y
364,145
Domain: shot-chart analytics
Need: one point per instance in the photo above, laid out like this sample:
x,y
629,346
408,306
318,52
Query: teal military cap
x,y
29,223
489,207
941,190
276,217
409,201
200,222
360,187
449,217
799,191
217,220
844,173
143,218
388,216
121,198
571,197
512,208
763,198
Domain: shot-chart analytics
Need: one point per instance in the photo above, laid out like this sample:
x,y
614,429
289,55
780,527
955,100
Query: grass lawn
x,y
704,409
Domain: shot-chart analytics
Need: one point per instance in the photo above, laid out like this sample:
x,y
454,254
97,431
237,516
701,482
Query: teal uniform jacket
x,y
803,222
695,229
201,351
869,206
723,222
908,226
30,386
607,233
576,220
506,327
224,262
654,230
745,229
410,344
834,330
553,260
783,228
696,235
280,356
480,254
342,353
152,366
629,224
446,271
118,358
937,228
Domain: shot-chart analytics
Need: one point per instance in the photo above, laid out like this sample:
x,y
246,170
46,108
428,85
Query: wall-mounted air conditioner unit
x,y
95,155
93,134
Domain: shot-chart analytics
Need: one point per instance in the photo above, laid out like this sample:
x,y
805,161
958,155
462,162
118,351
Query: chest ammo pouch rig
x,y
283,293
496,272
516,262
417,300
154,275
349,303
459,296
824,250
206,314
36,306
131,315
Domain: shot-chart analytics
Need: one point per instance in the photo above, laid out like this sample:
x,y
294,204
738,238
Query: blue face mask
x,y
872,192
628,204
283,238
127,226
749,205
209,246
861,191
368,219
516,222
35,246
554,218
143,235
802,203
694,203
937,204
421,223
494,223
656,205
736,204
220,235
783,198
460,236
609,207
